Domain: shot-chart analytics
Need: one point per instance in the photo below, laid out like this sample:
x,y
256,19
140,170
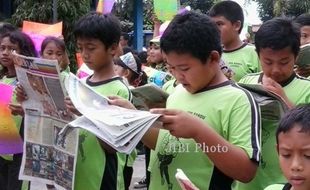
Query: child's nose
x,y
296,164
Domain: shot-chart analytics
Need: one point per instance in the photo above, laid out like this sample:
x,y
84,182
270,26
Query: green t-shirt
x,y
91,159
170,86
18,119
279,187
242,61
297,90
235,118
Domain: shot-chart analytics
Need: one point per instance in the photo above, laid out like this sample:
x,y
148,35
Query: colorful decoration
x,y
10,140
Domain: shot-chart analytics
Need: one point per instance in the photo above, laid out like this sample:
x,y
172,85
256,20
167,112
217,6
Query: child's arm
x,y
71,107
234,163
274,87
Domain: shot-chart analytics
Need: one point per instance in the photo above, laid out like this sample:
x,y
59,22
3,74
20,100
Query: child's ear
x,y
126,73
214,57
113,49
277,147
237,25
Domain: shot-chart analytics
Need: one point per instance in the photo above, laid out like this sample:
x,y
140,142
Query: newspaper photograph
x,y
46,158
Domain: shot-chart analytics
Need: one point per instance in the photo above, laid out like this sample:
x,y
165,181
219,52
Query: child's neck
x,y
235,44
219,78
103,74
11,72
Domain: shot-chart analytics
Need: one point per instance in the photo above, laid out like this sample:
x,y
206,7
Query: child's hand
x,y
179,123
63,64
117,101
21,95
155,20
272,86
71,107
16,109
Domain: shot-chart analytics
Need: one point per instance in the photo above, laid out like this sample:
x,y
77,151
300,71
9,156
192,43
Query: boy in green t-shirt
x,y
97,38
277,43
202,136
293,147
241,57
303,69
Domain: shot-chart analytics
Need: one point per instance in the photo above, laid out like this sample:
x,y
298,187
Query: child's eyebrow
x,y
284,147
307,147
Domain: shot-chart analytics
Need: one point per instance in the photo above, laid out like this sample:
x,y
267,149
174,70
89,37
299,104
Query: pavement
x,y
138,173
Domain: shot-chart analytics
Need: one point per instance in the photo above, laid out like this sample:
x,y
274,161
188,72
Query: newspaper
x,y
184,182
149,96
46,158
120,128
272,107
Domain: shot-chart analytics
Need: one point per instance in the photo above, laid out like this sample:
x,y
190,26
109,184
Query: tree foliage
x,y
199,5
42,11
124,9
269,9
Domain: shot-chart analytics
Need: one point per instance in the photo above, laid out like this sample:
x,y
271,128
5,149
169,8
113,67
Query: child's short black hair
x,y
303,20
299,115
143,57
278,33
125,35
104,27
231,10
192,33
23,41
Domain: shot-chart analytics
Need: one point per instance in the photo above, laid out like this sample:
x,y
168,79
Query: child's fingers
x,y
120,102
164,111
114,97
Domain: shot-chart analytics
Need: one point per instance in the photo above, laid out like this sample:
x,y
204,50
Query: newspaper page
x,y
272,107
184,182
46,158
149,96
121,128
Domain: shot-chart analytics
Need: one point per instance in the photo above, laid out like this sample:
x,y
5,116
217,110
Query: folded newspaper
x,y
149,96
46,159
120,128
272,106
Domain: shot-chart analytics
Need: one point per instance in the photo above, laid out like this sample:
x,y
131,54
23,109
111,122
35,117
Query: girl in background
x,y
22,44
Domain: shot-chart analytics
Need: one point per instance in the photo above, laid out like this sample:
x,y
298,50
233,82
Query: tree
x,y
124,9
42,11
269,9
199,5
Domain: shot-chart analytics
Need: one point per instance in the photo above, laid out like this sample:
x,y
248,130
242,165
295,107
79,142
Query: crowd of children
x,y
211,128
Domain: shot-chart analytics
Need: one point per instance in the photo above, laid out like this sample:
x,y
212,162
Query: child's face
x,y
227,28
277,64
94,53
305,35
53,52
190,71
155,54
294,157
6,48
